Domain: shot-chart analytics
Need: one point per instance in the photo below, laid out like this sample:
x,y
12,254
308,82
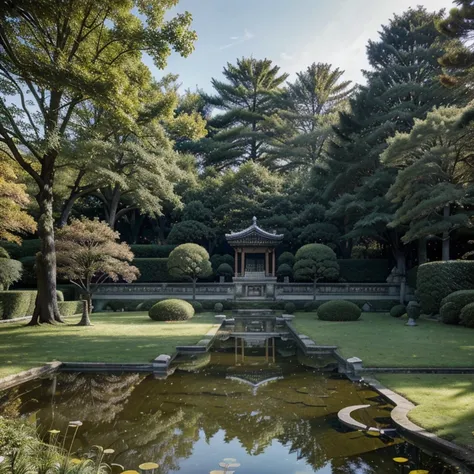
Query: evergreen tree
x,y
403,85
247,98
435,187
308,109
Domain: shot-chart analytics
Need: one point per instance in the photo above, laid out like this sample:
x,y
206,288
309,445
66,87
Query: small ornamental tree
x,y
284,270
225,270
315,262
88,254
286,258
10,270
189,261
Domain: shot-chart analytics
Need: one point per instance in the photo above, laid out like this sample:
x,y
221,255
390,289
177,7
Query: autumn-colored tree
x,y
88,255
13,199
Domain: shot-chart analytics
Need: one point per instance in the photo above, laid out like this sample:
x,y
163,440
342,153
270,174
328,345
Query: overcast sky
x,y
291,33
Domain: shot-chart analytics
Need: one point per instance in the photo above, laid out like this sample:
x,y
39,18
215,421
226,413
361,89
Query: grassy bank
x,y
114,337
445,403
383,341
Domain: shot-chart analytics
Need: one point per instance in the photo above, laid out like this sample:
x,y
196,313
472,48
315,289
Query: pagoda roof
x,y
254,235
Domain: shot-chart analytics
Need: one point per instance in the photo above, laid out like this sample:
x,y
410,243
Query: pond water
x,y
190,422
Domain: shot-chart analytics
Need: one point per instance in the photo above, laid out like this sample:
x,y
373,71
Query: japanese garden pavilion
x,y
254,252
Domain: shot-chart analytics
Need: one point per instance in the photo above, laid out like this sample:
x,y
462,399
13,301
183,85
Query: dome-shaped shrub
x,y
218,307
316,262
311,306
286,258
467,315
171,310
452,305
339,310
398,310
450,313
198,308
284,270
225,270
290,308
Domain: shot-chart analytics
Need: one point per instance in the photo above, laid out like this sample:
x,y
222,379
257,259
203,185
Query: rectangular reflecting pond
x,y
260,418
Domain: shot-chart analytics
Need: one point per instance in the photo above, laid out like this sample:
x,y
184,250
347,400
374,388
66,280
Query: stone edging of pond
x,y
399,416
16,379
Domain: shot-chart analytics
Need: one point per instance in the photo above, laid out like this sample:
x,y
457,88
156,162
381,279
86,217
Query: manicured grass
x,y
445,403
383,341
114,337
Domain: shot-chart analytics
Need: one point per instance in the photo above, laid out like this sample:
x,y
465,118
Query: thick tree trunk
x,y
66,210
446,239
113,206
86,308
46,308
422,253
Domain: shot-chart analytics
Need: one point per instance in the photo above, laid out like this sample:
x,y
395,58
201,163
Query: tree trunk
x,y
114,203
66,210
446,239
422,253
86,306
46,308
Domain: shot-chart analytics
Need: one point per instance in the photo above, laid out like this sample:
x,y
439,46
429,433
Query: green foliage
x,y
290,308
312,306
189,261
217,260
15,304
146,305
16,434
316,262
190,231
398,311
436,280
171,310
339,310
286,258
153,270
28,248
218,307
413,310
70,308
151,250
452,305
10,272
198,308
467,315
364,270
224,269
122,305
3,253
284,270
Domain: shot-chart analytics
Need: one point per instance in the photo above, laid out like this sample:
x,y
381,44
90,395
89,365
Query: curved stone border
x,y
27,375
400,417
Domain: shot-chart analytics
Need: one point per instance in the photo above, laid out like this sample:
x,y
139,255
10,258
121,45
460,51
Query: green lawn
x,y
383,341
445,403
114,337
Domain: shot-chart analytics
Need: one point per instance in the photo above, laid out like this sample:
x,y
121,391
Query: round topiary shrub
x,y
311,306
198,308
286,258
284,270
290,308
225,270
450,313
218,307
398,310
171,310
339,310
467,315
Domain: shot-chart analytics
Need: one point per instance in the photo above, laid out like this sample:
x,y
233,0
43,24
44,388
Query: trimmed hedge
x,y
70,308
311,306
339,310
151,250
171,310
290,308
467,315
122,305
398,311
452,305
364,270
436,280
218,307
153,270
15,304
28,248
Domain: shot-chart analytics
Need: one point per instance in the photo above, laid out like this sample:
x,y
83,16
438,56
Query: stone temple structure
x,y
254,261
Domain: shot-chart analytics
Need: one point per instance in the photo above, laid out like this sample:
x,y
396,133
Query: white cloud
x,y
235,40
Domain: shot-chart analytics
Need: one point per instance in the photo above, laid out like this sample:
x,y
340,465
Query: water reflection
x,y
191,421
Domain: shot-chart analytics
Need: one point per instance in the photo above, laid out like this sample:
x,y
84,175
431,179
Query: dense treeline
x,y
382,169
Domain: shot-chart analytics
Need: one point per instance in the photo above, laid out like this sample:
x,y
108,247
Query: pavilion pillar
x,y
273,262
267,263
243,262
236,262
